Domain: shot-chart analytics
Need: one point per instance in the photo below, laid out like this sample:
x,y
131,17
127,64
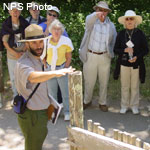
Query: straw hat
x,y
102,4
130,13
33,33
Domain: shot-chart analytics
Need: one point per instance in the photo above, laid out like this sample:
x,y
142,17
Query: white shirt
x,y
97,42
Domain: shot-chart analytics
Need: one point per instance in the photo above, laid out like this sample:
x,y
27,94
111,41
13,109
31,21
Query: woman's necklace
x,y
129,43
130,33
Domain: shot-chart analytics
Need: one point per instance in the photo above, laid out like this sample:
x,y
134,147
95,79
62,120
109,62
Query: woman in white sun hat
x,y
131,46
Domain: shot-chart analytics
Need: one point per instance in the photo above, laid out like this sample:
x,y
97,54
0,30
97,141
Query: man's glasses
x,y
131,18
52,15
101,10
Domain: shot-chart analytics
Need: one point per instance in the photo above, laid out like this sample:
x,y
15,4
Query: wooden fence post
x,y
75,101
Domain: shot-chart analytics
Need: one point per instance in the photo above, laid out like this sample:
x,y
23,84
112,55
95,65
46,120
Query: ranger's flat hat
x,y
33,33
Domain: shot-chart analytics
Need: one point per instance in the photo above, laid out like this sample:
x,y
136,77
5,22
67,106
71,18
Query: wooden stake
x,y
125,137
95,127
146,146
90,125
116,134
138,142
128,138
120,136
133,140
101,131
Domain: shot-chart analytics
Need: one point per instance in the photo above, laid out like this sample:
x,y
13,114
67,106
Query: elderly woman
x,y
131,46
52,13
59,56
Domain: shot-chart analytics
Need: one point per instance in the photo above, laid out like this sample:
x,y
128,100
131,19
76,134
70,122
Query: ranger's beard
x,y
36,52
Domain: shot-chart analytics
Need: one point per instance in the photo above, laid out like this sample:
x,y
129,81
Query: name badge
x,y
130,44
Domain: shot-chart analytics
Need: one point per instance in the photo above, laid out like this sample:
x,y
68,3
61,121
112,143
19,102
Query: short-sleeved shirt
x,y
24,67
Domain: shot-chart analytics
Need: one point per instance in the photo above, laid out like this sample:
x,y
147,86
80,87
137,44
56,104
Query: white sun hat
x,y
54,8
130,13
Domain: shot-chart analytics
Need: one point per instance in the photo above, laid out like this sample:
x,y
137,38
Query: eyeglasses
x,y
56,29
52,15
101,10
127,19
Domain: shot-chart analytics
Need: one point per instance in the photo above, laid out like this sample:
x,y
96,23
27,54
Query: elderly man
x,y
35,17
96,51
28,73
12,31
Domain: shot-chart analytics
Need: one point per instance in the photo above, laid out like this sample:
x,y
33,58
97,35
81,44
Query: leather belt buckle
x,y
97,53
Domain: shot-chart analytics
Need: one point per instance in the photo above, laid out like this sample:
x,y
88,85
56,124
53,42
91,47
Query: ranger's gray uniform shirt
x,y
24,67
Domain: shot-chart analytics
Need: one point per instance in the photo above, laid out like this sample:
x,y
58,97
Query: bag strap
x,y
30,96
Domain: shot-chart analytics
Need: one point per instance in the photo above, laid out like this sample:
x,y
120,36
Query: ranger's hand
x,y
64,71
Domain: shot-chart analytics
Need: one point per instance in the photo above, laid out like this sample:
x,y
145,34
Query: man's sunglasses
x,y
102,10
52,15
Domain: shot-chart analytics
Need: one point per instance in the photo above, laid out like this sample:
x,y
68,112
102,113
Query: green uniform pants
x,y
33,125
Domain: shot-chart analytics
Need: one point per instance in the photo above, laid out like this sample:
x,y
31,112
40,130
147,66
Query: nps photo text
x,y
20,6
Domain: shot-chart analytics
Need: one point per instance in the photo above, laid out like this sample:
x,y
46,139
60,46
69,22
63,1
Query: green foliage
x,y
75,28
